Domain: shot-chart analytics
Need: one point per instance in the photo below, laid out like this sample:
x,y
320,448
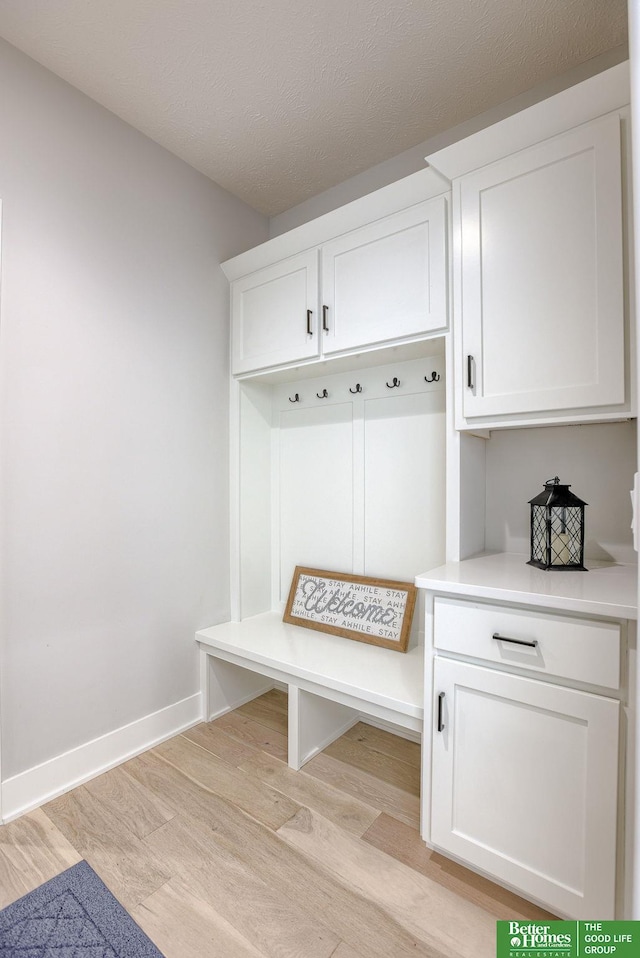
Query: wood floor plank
x,y
246,730
32,850
346,951
344,810
366,787
216,845
127,866
211,737
405,845
184,926
142,809
263,803
277,699
388,769
430,911
379,740
360,923
264,916
262,711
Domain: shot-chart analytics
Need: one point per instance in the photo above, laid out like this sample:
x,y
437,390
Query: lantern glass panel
x,y
557,528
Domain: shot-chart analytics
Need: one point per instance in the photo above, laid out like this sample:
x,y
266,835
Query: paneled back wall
x,y
356,478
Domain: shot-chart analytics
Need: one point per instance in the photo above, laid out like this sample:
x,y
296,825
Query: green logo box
x,y
567,939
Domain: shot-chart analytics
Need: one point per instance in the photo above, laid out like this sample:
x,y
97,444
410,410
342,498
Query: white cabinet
x,y
524,784
274,314
384,282
526,674
539,284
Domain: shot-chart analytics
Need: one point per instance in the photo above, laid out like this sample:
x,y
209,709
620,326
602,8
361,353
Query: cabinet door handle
x,y
505,638
440,722
325,322
309,329
470,369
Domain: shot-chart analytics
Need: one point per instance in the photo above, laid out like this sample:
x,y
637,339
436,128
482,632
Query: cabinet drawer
x,y
576,649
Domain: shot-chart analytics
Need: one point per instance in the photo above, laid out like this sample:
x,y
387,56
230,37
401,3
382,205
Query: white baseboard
x,y
40,784
390,727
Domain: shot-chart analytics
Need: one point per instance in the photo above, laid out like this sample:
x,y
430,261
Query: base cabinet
x,y
525,784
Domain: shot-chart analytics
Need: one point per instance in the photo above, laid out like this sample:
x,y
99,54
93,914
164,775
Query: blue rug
x,y
72,916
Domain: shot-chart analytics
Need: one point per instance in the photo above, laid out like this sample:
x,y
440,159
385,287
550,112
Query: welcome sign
x,y
378,611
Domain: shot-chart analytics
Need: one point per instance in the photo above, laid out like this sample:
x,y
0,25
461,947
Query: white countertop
x,y
607,589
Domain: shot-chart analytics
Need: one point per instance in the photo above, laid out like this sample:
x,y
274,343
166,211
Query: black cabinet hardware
x,y
440,722
505,638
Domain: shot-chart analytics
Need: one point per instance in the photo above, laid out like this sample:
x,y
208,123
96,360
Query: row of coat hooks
x,y
394,384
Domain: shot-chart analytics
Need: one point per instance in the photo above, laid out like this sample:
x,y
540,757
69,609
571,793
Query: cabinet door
x,y
525,784
387,280
274,314
540,276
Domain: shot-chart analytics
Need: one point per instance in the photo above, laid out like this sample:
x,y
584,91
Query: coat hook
x,y
358,389
295,399
394,382
434,377
323,395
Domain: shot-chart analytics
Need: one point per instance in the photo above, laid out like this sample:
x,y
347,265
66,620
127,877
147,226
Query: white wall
x,y
598,460
114,395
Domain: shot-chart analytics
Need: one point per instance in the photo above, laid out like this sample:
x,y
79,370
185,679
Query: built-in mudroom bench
x,y
332,682
407,373
338,436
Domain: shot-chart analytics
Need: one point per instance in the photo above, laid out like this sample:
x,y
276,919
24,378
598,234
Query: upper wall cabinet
x,y
541,277
371,274
386,281
274,314
540,254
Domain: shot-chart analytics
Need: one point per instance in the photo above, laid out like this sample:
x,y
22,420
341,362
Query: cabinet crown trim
x,y
600,94
420,186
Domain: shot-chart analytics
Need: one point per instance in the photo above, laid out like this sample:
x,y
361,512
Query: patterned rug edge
x,y
73,909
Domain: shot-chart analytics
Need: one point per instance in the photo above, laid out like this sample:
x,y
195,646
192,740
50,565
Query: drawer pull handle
x,y
440,722
505,638
325,322
309,329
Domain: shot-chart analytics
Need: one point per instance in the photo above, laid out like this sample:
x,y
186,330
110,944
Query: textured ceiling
x,y
277,100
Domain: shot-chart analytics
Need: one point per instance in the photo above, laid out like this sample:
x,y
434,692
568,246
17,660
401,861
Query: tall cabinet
x,y
528,673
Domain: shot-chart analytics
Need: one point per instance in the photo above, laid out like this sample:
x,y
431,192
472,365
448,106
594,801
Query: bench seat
x,y
332,681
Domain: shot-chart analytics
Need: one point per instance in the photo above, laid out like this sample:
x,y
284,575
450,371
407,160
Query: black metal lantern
x,y
557,529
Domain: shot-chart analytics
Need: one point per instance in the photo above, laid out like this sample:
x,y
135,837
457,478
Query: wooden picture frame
x,y
377,611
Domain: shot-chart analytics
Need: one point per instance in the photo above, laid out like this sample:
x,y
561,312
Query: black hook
x,y
434,377
297,398
358,389
394,382
323,395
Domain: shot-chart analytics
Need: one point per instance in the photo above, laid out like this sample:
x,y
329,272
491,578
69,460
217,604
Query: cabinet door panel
x,y
269,314
387,280
525,785
542,279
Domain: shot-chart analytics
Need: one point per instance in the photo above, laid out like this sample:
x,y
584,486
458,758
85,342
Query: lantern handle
x,y
552,482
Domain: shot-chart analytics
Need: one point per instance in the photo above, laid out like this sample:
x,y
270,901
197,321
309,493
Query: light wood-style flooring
x,y
219,850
